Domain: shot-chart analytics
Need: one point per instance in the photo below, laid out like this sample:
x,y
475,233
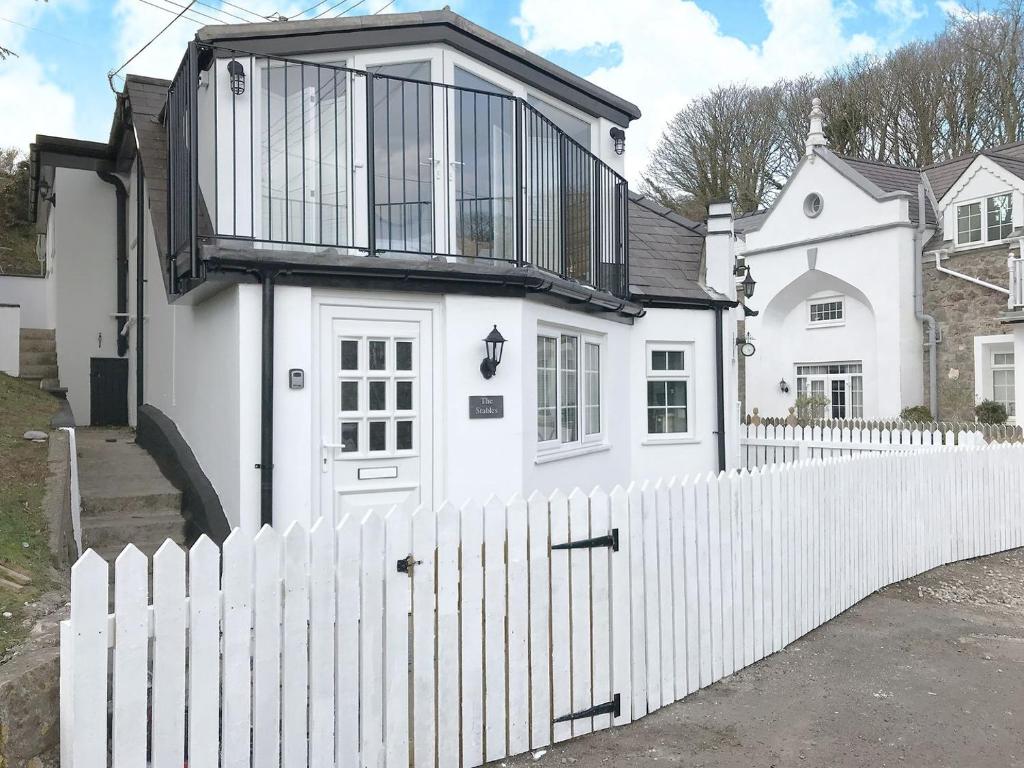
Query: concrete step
x,y
148,547
38,345
26,358
38,372
117,530
101,506
38,333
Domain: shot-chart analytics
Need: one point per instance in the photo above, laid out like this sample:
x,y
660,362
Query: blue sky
x,y
657,53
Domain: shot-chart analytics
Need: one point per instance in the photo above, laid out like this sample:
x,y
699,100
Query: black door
x,y
108,390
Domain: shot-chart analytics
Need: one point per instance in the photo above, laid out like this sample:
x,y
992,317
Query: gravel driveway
x,y
928,672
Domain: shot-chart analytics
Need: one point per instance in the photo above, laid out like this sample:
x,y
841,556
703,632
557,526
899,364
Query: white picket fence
x,y
319,649
763,444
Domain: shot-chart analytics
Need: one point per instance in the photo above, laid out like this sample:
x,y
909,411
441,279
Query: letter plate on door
x,y
378,473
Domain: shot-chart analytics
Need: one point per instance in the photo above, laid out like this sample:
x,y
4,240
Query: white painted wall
x,y
32,295
476,457
1018,379
195,357
84,243
874,270
10,338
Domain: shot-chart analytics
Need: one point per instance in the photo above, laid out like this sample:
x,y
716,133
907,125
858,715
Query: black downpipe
x,y
140,282
122,258
720,363
266,465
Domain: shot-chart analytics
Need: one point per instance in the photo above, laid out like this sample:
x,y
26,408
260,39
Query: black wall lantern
x,y
494,342
619,138
784,387
748,284
237,77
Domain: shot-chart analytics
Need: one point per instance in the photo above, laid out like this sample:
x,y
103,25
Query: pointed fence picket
x,y
451,638
764,444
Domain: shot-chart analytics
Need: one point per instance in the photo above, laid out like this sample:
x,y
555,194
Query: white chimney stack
x,y
816,135
719,254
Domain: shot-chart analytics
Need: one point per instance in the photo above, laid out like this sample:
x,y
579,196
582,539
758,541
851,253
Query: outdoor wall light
x,y
748,284
619,137
45,191
784,387
494,343
236,72
745,346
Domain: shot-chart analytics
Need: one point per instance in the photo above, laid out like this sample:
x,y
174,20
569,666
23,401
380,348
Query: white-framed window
x,y
569,389
826,311
1004,381
838,389
987,220
669,403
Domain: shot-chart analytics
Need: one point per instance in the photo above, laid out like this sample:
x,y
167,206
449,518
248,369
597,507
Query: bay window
x,y
569,387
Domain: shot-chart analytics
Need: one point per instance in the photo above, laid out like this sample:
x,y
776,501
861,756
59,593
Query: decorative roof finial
x,y
816,136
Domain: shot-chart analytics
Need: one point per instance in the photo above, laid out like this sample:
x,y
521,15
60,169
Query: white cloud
x,y
672,50
902,12
32,98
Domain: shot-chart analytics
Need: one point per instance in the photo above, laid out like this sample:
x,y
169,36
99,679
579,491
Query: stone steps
x,y
39,372
27,358
37,359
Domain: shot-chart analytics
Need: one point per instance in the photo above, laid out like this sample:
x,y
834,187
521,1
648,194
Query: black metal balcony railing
x,y
314,156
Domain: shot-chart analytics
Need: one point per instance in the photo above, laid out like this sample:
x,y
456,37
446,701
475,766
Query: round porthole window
x,y
813,204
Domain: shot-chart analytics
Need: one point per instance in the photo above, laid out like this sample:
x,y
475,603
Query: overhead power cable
x,y
111,75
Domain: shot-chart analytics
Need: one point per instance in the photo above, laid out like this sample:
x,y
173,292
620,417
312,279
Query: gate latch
x,y
406,564
610,540
608,708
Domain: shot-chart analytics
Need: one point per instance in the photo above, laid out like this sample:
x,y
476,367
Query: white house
x,y
322,221
882,287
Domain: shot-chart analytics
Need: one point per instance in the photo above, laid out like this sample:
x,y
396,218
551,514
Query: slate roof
x,y
893,178
942,176
147,96
665,251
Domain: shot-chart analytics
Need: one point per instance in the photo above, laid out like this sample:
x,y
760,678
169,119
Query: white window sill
x,y
957,247
670,440
557,454
827,324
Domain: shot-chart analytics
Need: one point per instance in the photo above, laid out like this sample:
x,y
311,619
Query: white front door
x,y
376,415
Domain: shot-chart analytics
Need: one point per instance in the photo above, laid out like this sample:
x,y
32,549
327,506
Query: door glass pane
x,y
378,355
378,395
838,399
655,421
350,436
403,435
656,393
675,420
547,376
570,388
349,355
378,436
403,395
350,395
404,158
302,165
485,172
675,392
576,129
403,355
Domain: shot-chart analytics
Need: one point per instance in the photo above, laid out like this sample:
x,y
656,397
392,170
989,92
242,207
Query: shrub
x,y
990,412
810,407
916,413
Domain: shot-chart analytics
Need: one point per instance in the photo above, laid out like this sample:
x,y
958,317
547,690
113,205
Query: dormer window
x,y
987,220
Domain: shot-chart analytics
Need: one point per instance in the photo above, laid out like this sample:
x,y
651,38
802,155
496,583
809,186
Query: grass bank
x,y
23,531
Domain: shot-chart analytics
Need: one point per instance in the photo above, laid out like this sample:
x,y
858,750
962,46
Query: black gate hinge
x,y
609,708
406,564
611,540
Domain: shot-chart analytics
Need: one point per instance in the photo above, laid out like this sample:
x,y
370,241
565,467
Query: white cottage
x,y
287,260
882,287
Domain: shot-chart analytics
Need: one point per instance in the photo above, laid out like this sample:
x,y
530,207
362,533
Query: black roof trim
x,y
61,152
444,26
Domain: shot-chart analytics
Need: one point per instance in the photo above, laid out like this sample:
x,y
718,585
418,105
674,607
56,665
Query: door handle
x,y
325,457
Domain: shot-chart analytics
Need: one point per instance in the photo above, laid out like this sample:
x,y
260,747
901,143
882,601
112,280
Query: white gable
x,y
846,206
983,178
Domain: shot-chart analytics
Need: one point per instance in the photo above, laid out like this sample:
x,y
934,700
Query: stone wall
x,y
963,310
